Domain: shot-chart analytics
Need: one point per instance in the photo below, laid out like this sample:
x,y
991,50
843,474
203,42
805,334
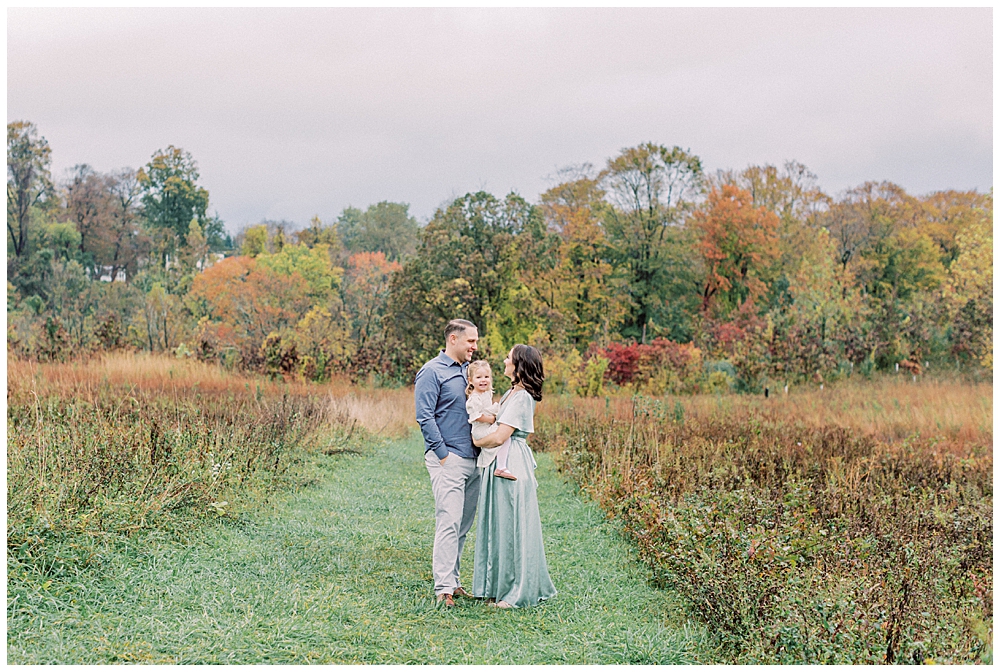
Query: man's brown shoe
x,y
448,600
462,592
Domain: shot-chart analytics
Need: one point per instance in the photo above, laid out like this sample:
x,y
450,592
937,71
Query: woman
x,y
510,566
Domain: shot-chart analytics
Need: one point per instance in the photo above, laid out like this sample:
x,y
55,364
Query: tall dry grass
x,y
848,525
387,412
115,442
888,408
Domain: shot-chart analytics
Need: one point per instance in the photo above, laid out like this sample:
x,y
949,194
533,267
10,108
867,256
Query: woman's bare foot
x,y
503,473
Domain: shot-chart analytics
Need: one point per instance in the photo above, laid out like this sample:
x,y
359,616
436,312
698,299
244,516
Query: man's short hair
x,y
457,326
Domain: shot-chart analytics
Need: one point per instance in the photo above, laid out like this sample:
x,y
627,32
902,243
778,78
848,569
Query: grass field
x,y
163,510
340,573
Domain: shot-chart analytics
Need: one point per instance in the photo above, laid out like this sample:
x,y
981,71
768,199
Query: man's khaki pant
x,y
456,494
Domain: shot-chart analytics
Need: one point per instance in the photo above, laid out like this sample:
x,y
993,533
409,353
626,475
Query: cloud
x,y
291,113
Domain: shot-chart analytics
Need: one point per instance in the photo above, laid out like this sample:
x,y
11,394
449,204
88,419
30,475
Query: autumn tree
x,y
194,254
944,214
319,234
867,215
123,243
812,327
366,293
791,193
736,241
89,205
251,298
582,286
968,292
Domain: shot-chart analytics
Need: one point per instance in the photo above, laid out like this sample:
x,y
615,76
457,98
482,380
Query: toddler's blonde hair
x,y
471,371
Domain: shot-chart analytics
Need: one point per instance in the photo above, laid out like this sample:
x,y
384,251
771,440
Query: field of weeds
x,y
847,525
122,443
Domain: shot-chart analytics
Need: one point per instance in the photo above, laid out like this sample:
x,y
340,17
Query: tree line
x,y
648,273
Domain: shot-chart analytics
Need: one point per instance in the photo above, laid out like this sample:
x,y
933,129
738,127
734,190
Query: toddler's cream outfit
x,y
477,404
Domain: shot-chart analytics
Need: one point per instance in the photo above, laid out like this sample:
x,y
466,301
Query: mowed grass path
x,y
340,573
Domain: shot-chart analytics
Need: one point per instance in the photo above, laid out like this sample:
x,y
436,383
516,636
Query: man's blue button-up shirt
x,y
439,395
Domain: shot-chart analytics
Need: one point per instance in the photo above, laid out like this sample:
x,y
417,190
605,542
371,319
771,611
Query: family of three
x,y
477,458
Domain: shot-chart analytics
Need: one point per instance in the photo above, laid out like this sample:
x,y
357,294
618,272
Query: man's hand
x,y
444,458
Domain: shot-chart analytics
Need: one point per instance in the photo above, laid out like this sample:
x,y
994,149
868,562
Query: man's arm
x,y
426,391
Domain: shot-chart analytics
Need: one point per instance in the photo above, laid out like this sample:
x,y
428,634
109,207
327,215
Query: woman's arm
x,y
495,439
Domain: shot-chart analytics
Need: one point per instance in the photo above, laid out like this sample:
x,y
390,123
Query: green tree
x,y
171,198
464,267
216,238
28,184
384,227
313,265
651,189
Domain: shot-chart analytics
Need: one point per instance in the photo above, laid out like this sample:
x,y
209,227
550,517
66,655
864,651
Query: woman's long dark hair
x,y
528,369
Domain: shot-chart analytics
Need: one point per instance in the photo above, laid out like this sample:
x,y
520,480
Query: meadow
x,y
105,449
851,524
164,511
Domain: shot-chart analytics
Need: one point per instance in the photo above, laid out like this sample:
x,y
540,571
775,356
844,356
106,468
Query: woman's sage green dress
x,y
510,558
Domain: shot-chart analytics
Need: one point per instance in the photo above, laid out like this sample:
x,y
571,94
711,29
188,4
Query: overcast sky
x,y
295,113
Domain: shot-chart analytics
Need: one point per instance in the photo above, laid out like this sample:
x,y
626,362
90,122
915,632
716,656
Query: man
x,y
439,393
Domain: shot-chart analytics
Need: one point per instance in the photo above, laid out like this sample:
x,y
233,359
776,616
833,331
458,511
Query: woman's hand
x,y
495,439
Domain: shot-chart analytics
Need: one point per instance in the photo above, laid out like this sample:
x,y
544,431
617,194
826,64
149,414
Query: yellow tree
x,y
945,213
582,287
968,290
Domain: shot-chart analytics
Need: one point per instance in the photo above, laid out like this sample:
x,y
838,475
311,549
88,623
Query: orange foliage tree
x,y
253,300
737,242
366,292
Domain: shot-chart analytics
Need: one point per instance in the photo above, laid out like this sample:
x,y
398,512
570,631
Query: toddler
x,y
479,402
